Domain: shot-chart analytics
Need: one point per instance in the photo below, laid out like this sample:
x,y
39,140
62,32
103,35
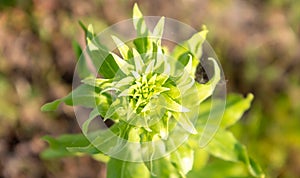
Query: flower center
x,y
141,92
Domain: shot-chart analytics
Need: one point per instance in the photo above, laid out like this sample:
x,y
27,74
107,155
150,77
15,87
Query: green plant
x,y
154,101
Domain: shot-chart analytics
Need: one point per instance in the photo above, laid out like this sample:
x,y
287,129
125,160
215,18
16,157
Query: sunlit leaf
x,y
220,169
183,158
185,122
235,108
158,30
89,32
226,147
58,146
192,46
139,22
123,48
84,95
172,105
138,61
122,64
123,169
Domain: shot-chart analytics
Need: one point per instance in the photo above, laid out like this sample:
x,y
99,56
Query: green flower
x,y
148,92
154,102
145,88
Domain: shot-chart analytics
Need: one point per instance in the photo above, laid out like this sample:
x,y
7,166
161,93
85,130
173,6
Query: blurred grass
x,y
257,43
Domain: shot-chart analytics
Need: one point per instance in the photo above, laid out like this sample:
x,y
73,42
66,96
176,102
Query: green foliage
x,y
144,81
123,169
59,146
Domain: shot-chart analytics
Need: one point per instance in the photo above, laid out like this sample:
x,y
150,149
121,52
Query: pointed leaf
x,y
185,122
124,82
138,61
172,105
89,33
103,62
225,146
58,146
97,82
51,106
139,22
158,30
122,47
84,95
235,107
192,46
122,64
150,67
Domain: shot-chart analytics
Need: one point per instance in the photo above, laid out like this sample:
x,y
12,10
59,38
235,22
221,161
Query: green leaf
x,y
235,107
84,95
158,30
183,158
172,105
187,59
184,121
201,158
142,42
195,43
90,149
164,168
122,169
122,64
51,106
192,46
138,61
89,33
101,157
113,109
77,49
225,146
220,169
189,65
123,48
58,146
92,115
82,68
139,22
97,82
104,62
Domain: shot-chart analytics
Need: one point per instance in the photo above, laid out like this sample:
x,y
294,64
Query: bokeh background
x,y
256,41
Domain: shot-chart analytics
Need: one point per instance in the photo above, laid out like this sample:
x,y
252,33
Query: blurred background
x,y
256,41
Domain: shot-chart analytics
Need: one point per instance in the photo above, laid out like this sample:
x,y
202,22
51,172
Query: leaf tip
x,y
250,96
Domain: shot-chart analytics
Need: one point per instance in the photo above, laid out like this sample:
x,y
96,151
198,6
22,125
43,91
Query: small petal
x,y
150,67
185,122
125,81
123,65
171,105
189,66
136,75
122,47
138,61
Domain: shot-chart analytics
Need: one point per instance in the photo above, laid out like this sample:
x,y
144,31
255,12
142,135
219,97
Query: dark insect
x,y
201,75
